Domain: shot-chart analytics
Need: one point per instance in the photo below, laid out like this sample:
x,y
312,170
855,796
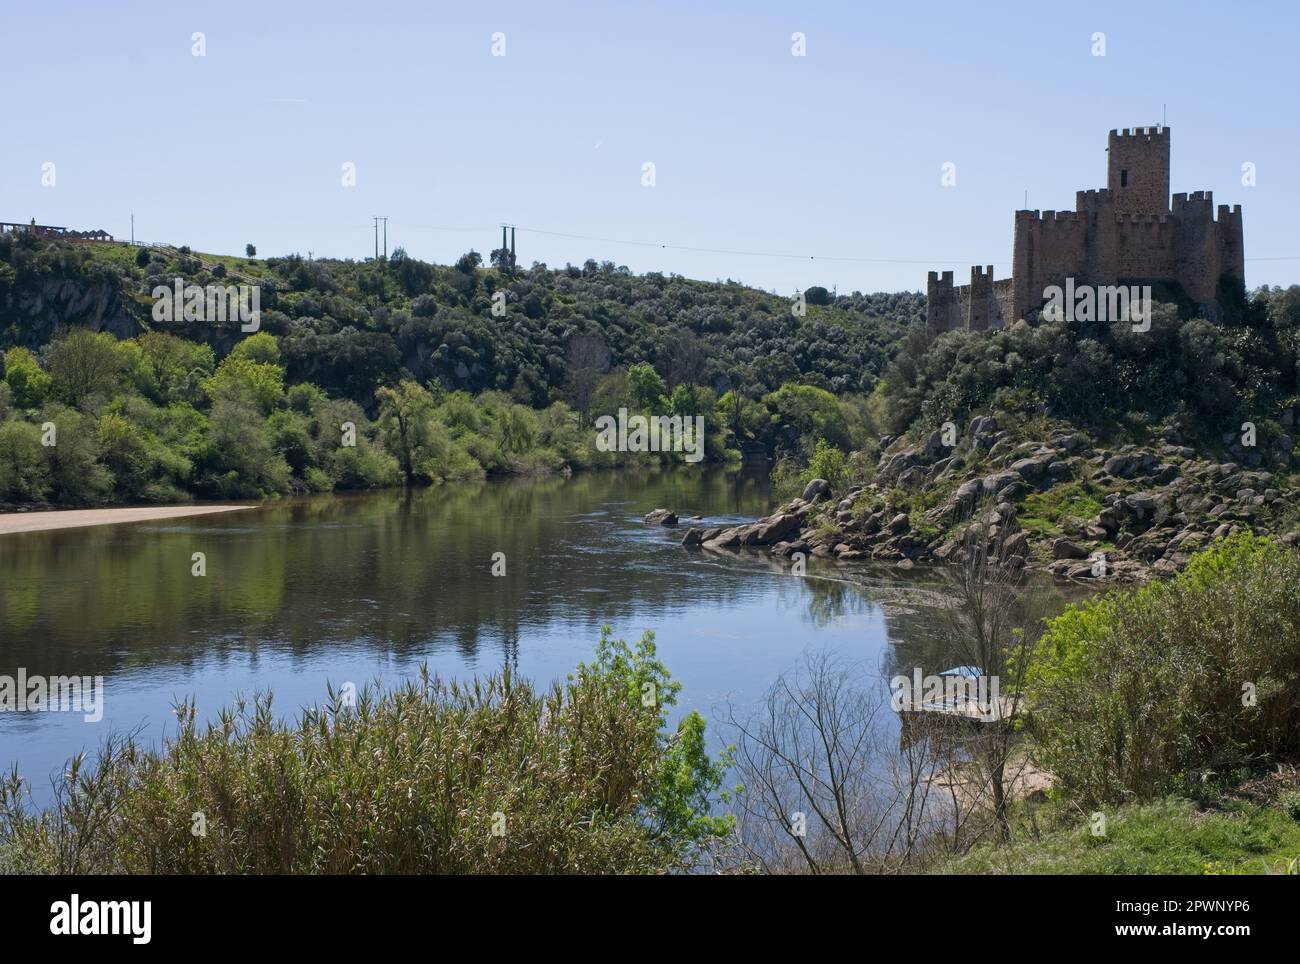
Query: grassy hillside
x,y
1172,836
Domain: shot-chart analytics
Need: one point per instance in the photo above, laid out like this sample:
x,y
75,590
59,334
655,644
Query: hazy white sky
x,y
835,154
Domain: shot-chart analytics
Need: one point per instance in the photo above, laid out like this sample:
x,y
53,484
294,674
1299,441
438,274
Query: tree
x,y
84,363
76,475
239,376
406,427
802,414
468,262
241,458
25,378
503,259
827,788
685,360
24,474
817,295
645,388
250,251
993,625
174,366
261,348
587,359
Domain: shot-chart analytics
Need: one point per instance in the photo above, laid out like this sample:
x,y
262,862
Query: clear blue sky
x,y
835,153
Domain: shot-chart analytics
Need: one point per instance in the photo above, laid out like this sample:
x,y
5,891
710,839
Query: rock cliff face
x,y
1060,504
99,305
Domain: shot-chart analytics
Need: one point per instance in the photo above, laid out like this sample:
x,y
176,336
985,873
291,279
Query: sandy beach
x,y
78,518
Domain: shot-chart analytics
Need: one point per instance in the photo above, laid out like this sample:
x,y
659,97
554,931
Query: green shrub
x,y
827,463
490,776
1142,691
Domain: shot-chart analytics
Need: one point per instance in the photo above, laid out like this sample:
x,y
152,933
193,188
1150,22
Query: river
x,y
363,588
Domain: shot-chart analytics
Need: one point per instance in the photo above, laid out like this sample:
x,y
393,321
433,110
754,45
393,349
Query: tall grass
x,y
489,776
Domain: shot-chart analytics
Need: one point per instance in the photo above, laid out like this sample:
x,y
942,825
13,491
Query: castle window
x,y
1123,178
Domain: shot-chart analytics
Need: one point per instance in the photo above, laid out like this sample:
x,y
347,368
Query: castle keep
x,y
1125,232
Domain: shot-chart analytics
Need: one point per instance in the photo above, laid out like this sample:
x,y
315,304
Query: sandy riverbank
x,y
77,518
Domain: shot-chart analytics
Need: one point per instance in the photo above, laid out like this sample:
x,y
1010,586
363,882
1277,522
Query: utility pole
x,y
376,237
133,229
508,247
385,220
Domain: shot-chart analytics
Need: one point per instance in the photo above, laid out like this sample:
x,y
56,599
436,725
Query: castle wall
x,y
941,303
1145,247
981,309
1049,248
1137,170
1126,232
1004,297
1232,249
982,304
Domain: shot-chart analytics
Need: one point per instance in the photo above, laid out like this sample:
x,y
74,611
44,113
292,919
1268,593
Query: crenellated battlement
x,y
1143,132
1062,218
1092,202
1126,230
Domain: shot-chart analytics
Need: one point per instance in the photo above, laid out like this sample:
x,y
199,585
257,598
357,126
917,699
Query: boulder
x,y
1065,549
981,427
1127,465
726,539
661,517
1031,470
1141,503
912,478
993,485
892,466
968,492
1016,545
816,490
774,529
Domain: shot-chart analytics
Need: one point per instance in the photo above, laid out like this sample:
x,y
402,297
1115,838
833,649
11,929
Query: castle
x,y
1125,232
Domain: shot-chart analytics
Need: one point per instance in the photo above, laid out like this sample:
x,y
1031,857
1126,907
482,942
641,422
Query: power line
x,y
669,246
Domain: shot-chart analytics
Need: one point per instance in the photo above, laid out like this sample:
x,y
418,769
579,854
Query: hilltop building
x,y
1126,232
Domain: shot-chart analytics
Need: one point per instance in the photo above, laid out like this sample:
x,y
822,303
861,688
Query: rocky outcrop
x,y
1159,504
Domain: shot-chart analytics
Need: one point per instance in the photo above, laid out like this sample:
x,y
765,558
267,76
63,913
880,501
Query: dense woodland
x,y
437,385
472,370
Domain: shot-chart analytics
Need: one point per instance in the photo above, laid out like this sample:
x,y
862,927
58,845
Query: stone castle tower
x,y
1123,233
